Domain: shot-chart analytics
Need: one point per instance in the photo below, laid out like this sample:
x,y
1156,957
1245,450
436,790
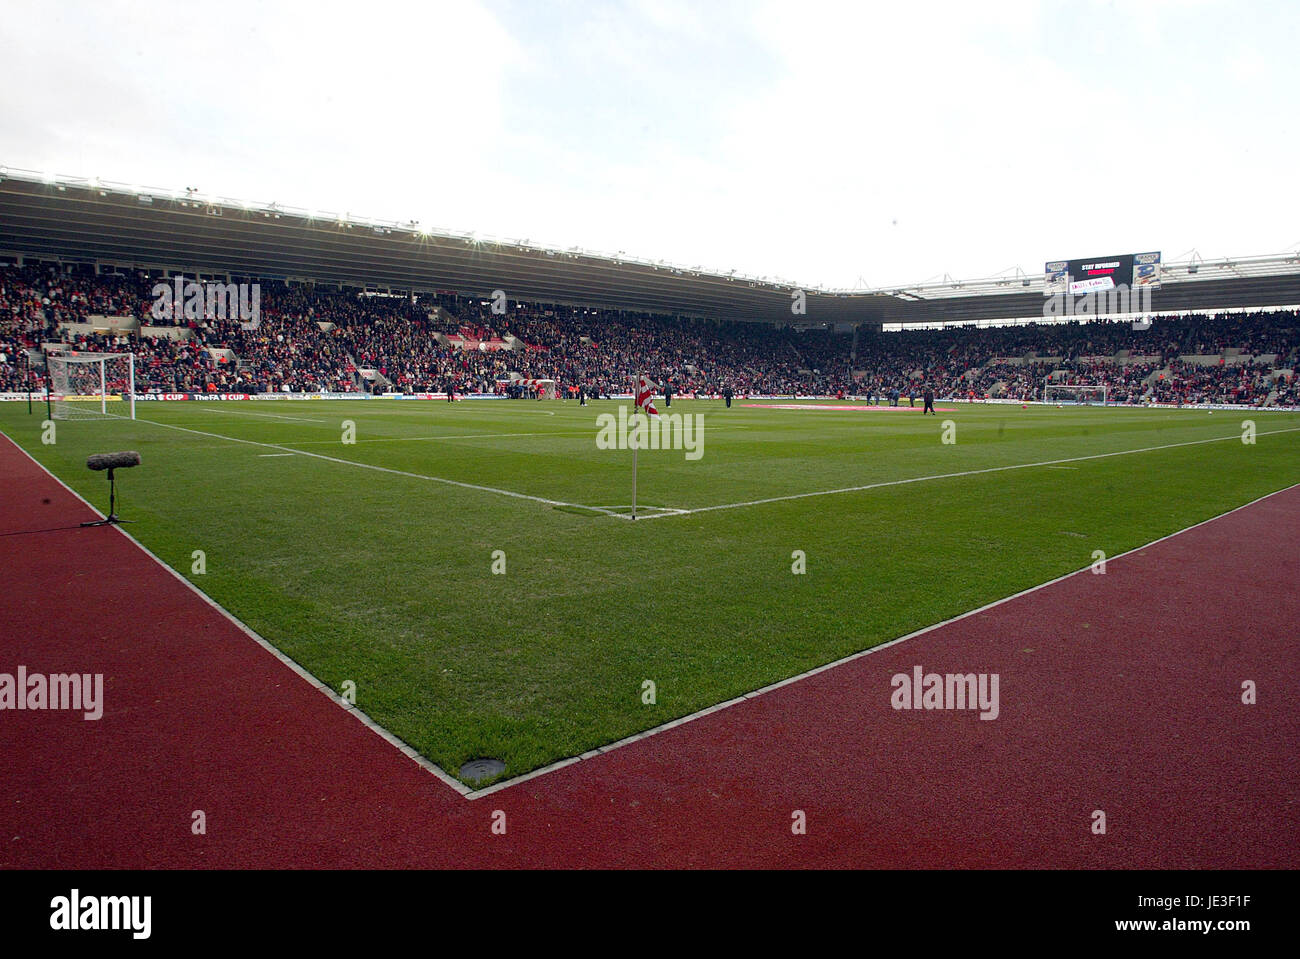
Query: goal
x,y
1080,394
91,386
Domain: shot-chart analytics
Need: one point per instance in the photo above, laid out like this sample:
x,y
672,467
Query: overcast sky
x,y
828,144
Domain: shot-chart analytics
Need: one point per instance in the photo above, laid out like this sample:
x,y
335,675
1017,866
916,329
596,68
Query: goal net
x,y
91,386
1078,394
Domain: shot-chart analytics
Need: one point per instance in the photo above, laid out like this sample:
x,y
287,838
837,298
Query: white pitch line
x,y
940,476
271,455
384,469
467,792
789,681
404,748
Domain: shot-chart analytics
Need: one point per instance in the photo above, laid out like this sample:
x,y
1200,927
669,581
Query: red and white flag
x,y
645,389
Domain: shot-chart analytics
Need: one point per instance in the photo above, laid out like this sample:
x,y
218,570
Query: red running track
x,y
1119,692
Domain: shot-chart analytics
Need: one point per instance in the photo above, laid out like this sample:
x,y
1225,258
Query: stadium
x,y
522,651
354,543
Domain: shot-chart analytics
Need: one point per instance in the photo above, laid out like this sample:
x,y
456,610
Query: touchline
x,y
75,691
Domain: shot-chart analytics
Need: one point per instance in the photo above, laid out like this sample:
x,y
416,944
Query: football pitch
x,y
472,569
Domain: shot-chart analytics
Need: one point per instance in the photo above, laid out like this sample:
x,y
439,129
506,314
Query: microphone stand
x,y
112,517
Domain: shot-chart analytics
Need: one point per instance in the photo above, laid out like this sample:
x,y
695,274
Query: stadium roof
x,y
88,220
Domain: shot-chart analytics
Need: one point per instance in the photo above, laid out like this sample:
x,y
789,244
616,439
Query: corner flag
x,y
645,389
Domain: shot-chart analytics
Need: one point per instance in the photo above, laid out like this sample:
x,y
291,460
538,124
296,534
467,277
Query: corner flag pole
x,y
636,445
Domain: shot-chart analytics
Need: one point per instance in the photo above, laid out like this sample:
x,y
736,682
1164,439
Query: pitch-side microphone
x,y
113,461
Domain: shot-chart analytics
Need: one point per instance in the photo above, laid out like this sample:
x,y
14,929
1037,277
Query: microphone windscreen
x,y
113,461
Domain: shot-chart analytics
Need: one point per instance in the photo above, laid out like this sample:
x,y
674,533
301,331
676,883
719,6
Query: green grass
x,y
386,579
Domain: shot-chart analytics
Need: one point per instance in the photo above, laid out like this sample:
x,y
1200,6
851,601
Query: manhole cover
x,y
482,769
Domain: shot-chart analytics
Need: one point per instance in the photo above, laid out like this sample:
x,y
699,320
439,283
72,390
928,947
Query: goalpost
x,y
1083,394
82,385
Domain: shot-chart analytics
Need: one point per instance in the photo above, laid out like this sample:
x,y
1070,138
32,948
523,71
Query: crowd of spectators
x,y
1135,365
313,339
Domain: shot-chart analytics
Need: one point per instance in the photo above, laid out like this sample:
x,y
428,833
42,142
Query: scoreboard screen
x,y
1100,273
1097,274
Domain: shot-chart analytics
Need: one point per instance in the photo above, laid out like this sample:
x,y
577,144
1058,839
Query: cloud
x,y
817,142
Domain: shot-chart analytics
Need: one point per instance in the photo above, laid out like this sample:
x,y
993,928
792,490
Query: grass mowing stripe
x,y
227,411
386,735
372,579
941,476
381,469
478,436
852,657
